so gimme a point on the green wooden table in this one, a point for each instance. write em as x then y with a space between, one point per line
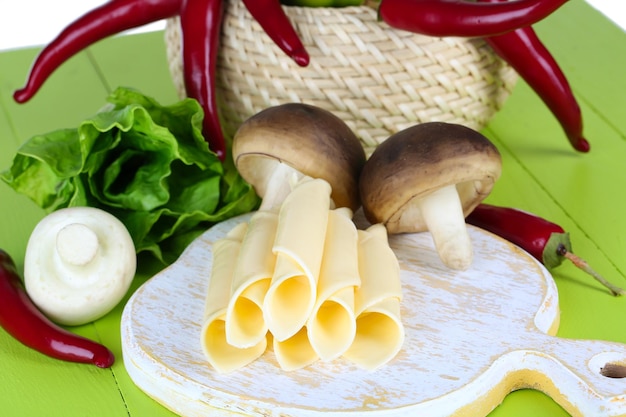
585 193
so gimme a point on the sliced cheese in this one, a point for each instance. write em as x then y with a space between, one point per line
332 325
225 252
295 352
379 330
332 329
305 282
299 247
379 335
245 322
221 355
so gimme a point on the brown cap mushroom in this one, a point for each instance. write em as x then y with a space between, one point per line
282 144
429 177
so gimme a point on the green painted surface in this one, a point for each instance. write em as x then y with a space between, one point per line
582 192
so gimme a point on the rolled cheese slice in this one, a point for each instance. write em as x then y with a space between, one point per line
299 247
295 352
332 325
221 355
379 330
245 322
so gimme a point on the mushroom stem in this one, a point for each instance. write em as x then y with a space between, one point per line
77 244
278 186
443 214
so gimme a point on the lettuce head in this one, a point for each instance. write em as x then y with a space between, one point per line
143 162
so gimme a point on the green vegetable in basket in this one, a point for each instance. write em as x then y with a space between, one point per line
323 3
145 163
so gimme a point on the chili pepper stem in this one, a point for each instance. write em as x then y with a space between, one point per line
583 265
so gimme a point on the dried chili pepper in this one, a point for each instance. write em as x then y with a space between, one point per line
462 17
201 22
108 19
21 319
525 52
276 24
546 241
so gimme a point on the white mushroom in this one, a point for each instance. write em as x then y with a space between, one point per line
79 264
429 177
280 145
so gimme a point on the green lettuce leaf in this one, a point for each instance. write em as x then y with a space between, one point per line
146 163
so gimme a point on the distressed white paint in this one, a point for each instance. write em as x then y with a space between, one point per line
471 338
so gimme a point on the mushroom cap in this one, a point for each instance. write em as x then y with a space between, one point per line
311 140
416 161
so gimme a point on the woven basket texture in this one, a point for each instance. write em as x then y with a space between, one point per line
377 79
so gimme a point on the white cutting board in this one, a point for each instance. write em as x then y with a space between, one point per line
471 338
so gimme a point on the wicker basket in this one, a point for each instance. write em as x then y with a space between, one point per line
377 79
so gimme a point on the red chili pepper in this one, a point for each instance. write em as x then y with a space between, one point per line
201 23
22 319
106 20
523 50
547 242
274 21
462 17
